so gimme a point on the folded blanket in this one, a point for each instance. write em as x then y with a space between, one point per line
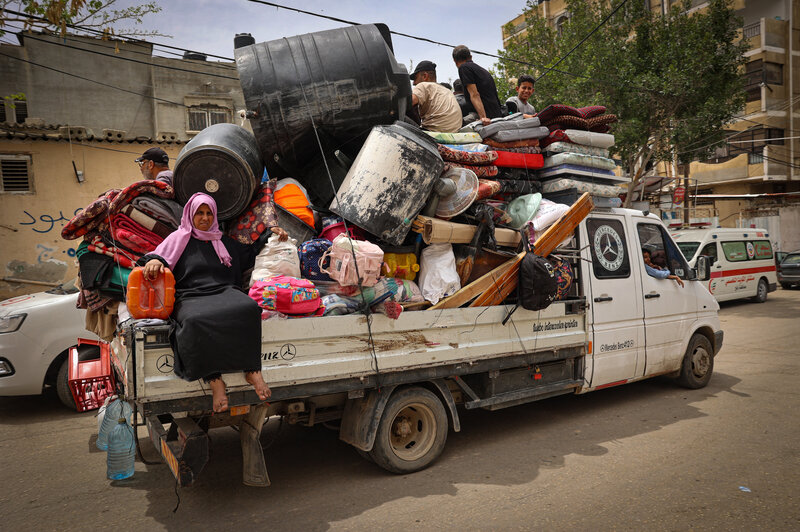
466 157
579 159
487 188
148 222
547 114
166 211
475 146
506 125
557 185
569 147
93 218
591 110
132 235
601 120
568 122
454 138
480 171
120 256
521 134
147 186
526 143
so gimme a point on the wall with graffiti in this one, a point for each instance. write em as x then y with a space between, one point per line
33 256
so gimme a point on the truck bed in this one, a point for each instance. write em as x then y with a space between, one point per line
334 353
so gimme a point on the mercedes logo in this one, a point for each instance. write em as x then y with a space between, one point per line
165 363
608 248
288 351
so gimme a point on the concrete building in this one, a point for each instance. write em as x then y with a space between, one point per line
90 108
755 179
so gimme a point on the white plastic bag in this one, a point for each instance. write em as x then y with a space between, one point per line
276 258
438 277
547 213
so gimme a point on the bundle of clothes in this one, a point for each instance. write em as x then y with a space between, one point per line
116 230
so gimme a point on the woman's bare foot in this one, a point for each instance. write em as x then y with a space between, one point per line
220 398
261 388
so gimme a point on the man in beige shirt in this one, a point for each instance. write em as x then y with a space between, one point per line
438 107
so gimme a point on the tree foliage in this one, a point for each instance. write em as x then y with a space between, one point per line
58 15
673 80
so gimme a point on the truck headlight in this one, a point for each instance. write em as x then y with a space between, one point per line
9 324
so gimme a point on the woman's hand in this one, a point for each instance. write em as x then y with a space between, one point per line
153 269
283 236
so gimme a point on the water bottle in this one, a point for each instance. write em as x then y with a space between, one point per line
114 409
121 450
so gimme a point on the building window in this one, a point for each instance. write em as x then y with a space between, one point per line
200 117
15 171
758 73
20 111
755 158
753 142
13 109
3 112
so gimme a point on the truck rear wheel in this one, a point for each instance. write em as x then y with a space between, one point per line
698 363
412 431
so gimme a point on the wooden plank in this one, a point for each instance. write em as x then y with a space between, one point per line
544 245
477 286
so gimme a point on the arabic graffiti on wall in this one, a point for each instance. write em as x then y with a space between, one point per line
46 222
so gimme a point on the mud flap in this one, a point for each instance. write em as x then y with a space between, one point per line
184 446
254 467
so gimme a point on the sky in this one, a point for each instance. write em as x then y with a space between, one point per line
210 25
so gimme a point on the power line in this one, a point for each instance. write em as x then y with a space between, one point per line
103 33
131 59
611 14
92 80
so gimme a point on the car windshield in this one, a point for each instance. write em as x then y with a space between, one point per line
688 249
67 287
793 258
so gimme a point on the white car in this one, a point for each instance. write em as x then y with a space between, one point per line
36 332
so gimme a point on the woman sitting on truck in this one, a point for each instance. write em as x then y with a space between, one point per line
217 326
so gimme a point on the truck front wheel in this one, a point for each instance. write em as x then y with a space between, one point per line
698 363
412 431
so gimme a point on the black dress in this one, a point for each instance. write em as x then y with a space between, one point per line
217 327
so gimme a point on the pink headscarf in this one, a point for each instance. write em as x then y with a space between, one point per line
173 246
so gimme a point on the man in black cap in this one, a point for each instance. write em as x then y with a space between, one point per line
480 86
438 108
154 164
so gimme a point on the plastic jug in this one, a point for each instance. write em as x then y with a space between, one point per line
150 299
121 451
402 265
114 409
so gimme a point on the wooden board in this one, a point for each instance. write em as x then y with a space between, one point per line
477 286
544 245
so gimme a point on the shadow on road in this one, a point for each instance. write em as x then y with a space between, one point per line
780 305
319 480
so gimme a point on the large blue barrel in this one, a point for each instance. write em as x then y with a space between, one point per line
222 161
343 81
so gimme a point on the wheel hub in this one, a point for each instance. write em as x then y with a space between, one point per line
402 427
701 361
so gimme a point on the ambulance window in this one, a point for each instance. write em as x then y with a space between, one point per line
710 250
609 248
734 251
663 251
763 249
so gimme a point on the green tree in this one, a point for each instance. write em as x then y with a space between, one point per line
673 80
58 15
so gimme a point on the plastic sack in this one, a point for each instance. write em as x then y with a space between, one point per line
524 208
547 214
277 258
438 277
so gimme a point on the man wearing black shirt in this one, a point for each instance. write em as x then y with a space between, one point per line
479 85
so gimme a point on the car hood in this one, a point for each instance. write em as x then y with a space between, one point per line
19 304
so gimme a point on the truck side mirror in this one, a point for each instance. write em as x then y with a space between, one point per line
703 268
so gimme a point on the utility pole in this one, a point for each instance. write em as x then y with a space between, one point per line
686 195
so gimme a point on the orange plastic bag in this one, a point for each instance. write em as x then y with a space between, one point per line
150 299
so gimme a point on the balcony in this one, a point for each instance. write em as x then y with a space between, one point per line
765 32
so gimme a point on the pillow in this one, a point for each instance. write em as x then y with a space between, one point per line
557 109
591 110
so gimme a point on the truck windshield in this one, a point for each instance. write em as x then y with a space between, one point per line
688 249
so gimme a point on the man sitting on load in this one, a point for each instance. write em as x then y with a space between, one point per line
438 107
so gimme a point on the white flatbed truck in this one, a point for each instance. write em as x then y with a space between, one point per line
394 386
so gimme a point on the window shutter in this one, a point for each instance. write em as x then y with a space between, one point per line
15 172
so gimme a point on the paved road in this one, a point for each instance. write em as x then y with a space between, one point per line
644 456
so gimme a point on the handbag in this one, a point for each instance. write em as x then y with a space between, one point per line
342 267
310 253
289 295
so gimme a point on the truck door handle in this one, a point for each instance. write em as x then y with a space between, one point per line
604 298
651 296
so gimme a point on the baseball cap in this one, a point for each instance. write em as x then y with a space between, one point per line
423 66
157 155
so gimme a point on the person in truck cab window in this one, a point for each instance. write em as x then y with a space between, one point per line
217 327
657 272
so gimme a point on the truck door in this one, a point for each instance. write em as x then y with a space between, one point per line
615 300
669 310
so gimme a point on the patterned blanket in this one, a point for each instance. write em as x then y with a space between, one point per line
480 171
466 157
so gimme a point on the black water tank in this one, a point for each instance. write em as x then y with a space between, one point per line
243 39
347 80
197 56
223 162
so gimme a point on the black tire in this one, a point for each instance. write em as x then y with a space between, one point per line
698 363
761 291
786 286
87 352
364 454
412 431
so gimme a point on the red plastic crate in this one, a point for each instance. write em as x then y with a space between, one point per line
90 381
